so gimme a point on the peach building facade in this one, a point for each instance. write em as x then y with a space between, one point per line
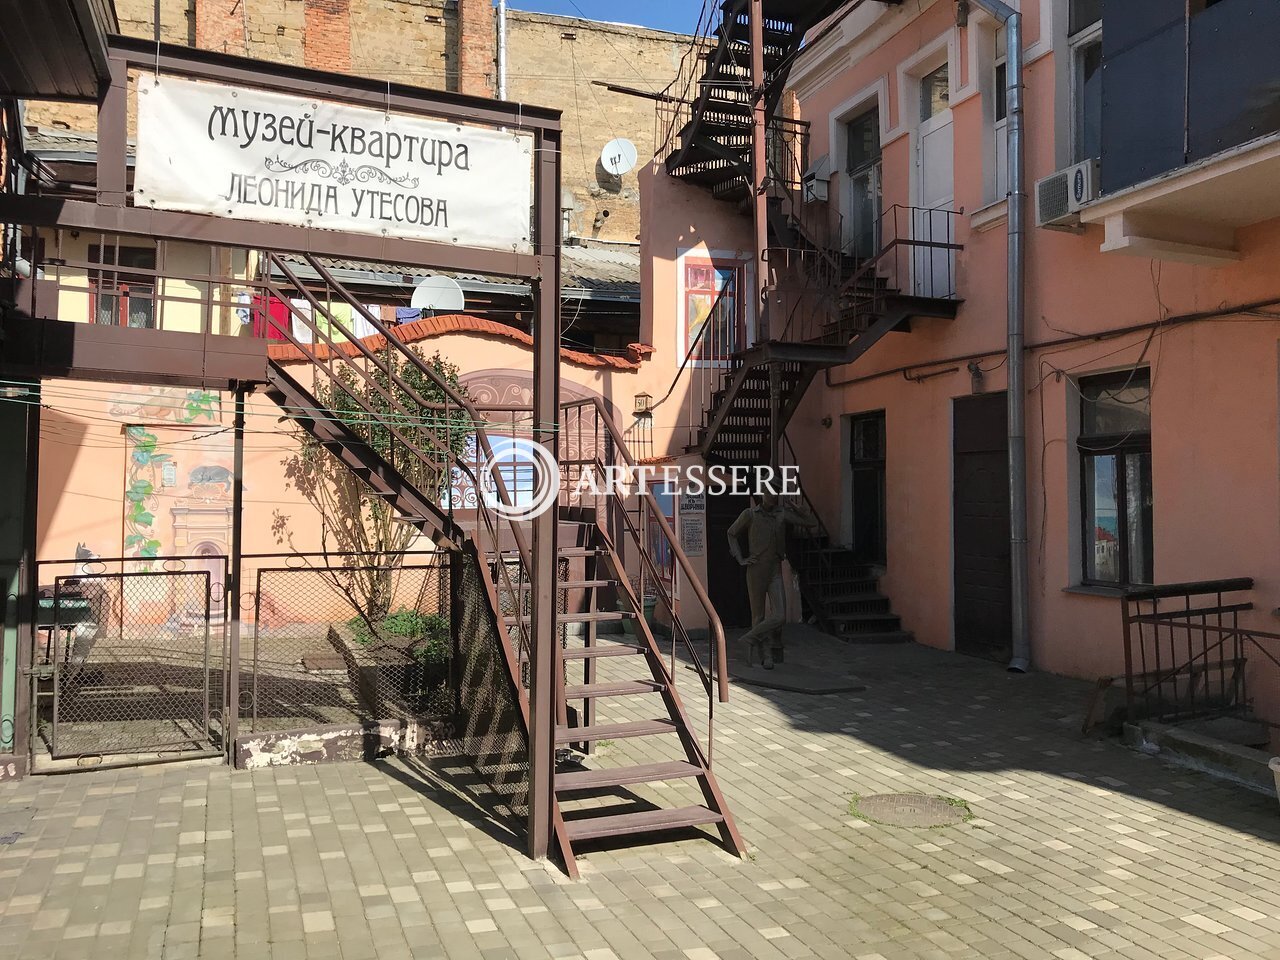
1152 333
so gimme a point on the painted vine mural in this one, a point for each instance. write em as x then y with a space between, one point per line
143 477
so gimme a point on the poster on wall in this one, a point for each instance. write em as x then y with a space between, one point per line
693 534
693 502
250 154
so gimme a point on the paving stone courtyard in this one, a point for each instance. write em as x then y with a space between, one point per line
1076 848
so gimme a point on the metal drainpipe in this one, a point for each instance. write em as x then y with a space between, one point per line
502 49
1021 660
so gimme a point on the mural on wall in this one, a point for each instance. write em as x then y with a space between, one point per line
145 405
151 465
142 480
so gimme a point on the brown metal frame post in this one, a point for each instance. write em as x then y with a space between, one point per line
759 168
231 714
28 587
112 172
546 417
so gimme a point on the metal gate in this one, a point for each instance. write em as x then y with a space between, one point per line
129 664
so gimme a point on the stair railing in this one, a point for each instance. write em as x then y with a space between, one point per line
634 532
811 596
456 413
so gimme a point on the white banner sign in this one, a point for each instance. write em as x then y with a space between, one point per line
269 157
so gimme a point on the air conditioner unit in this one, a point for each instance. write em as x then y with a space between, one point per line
1061 197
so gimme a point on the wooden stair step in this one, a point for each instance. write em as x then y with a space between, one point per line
579 552
570 585
619 776
647 821
603 650
620 688
591 616
615 731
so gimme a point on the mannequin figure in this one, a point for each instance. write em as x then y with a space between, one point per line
765 528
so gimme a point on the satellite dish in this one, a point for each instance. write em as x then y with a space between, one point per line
619 156
439 294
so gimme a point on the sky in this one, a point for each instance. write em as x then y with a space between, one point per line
680 16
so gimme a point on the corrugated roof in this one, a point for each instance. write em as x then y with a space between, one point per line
39 139
597 270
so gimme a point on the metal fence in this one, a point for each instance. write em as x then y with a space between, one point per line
128 658
1188 657
343 639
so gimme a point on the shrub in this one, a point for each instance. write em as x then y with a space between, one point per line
427 633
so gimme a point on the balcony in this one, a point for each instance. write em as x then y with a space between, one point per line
1190 129
1192 213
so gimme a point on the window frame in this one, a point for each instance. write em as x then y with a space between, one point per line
922 84
109 279
1077 43
739 336
1090 447
999 122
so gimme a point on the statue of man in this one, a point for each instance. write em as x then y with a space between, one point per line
765 528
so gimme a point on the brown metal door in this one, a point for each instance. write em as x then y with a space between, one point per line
983 612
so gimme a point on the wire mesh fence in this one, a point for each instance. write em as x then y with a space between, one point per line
491 728
132 657
128 658
344 639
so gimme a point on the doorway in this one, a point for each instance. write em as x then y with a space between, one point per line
726 580
980 526
212 558
933 269
867 476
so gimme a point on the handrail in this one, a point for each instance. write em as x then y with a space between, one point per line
441 384
682 560
1192 588
476 422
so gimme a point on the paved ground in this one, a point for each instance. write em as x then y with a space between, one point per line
1077 848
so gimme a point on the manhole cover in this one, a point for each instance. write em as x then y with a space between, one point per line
910 810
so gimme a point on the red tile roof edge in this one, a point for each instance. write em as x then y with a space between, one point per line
424 329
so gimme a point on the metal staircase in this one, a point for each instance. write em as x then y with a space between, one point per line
822 304
714 142
414 452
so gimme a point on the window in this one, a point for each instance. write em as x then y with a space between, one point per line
935 93
1084 14
1086 79
1000 117
1115 461
711 295
122 293
864 141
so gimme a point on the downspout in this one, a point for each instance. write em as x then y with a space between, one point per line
1018 560
502 49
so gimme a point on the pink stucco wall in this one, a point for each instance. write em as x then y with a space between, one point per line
1214 395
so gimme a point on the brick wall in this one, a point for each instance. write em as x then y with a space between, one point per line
402 40
544 66
476 48
220 25
326 37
